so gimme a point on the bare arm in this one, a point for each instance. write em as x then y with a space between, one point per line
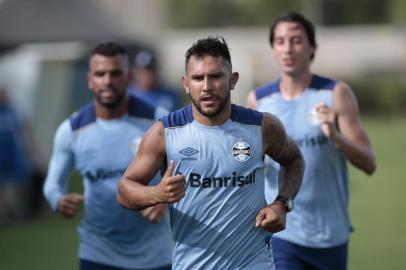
133 189
280 147
283 150
251 100
342 125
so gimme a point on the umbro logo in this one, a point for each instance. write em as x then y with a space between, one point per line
188 152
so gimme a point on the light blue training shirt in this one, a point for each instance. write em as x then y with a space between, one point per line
101 150
214 224
320 217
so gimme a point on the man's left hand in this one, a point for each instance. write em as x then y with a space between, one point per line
154 213
272 218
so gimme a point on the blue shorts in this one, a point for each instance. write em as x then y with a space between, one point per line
89 265
289 256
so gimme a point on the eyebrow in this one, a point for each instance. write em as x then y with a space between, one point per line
218 73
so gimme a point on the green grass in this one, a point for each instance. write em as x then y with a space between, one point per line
377 202
376 207
48 242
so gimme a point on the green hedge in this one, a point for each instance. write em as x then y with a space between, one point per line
380 94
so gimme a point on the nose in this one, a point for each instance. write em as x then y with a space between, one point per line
107 78
287 47
207 84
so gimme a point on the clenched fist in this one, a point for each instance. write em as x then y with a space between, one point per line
69 204
172 187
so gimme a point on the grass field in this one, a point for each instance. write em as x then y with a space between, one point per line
376 207
377 202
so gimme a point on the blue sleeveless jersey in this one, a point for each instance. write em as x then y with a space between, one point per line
101 150
320 218
214 224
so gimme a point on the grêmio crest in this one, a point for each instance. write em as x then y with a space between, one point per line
241 151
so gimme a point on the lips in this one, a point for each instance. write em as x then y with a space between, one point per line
208 100
288 61
108 92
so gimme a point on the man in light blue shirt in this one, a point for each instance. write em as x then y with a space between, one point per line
99 141
321 115
214 153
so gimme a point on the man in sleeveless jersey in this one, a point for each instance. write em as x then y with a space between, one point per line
100 141
214 151
321 115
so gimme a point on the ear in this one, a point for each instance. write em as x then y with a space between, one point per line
89 81
185 83
312 52
234 79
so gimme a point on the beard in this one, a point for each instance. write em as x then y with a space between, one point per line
112 103
211 113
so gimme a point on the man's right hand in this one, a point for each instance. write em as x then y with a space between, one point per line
172 187
69 204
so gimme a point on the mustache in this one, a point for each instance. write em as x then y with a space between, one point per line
111 88
207 96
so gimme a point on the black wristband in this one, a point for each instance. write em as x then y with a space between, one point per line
287 202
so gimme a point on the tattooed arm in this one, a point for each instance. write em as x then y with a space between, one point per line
133 189
283 150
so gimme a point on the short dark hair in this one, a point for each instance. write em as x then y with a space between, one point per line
109 48
213 46
299 19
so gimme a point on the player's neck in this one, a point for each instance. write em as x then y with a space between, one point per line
218 120
112 113
293 86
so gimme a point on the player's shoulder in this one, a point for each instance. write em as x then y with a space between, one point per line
83 117
344 96
322 83
267 89
64 132
342 87
178 118
245 116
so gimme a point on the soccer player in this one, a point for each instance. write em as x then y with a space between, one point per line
100 140
321 115
214 180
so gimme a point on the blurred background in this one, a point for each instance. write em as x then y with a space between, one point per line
44 47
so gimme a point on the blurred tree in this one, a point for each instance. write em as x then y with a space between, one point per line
263 12
214 13
355 12
227 13
398 11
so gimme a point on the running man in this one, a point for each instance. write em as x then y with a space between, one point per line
100 140
214 151
321 115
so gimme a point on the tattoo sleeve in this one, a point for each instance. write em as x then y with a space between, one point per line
281 148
